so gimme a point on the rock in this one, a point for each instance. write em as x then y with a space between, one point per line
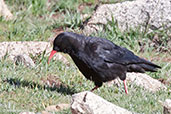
4 11
57 107
89 103
167 106
116 82
24 59
140 79
27 47
145 81
26 113
168 81
146 14
13 49
45 112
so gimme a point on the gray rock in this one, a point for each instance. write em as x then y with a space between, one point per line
24 59
4 11
167 106
13 49
132 14
141 79
145 81
26 113
89 103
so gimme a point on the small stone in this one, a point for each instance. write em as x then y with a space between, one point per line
57 107
4 11
45 112
26 113
116 82
167 106
24 59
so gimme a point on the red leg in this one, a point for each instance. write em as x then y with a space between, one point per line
94 88
84 99
126 90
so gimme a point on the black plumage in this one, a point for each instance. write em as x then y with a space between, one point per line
99 59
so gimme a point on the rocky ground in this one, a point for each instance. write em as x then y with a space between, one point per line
29 58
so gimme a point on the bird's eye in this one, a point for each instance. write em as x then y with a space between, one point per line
56 48
65 50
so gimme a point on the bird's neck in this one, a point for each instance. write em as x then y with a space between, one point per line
78 45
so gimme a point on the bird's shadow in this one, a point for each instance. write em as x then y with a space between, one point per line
66 90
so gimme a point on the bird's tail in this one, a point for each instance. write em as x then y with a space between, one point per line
143 67
150 67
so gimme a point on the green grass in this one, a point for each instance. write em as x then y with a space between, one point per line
23 89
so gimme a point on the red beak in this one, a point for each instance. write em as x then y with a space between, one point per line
51 55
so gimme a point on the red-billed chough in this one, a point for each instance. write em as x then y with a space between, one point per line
99 59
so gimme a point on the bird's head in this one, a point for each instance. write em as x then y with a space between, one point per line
65 42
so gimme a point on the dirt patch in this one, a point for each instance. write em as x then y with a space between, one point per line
55 108
58 30
81 7
53 81
57 15
164 81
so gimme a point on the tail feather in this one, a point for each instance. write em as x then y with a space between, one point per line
150 63
151 68
143 67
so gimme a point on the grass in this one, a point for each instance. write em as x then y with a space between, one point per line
23 89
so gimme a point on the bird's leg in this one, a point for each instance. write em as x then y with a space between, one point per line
94 88
126 90
84 99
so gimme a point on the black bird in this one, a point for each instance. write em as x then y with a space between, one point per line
99 59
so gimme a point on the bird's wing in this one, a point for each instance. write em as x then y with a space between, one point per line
110 60
104 58
109 52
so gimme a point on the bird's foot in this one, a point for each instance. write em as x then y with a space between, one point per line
94 88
